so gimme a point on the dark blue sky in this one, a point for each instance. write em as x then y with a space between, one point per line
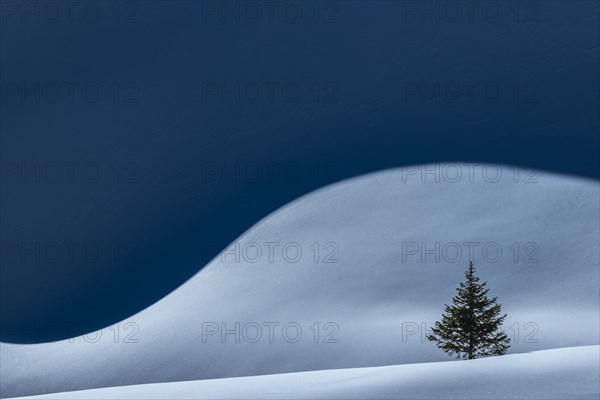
139 139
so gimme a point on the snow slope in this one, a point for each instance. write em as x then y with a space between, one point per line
363 303
566 373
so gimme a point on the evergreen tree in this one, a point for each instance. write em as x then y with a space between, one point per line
470 327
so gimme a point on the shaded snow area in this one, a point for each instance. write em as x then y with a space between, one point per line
330 297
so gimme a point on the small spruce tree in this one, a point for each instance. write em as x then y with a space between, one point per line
471 326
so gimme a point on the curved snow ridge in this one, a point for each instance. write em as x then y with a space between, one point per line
566 373
372 304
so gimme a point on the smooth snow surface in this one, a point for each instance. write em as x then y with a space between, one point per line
568 373
361 303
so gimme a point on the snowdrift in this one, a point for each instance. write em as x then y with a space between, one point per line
350 276
568 373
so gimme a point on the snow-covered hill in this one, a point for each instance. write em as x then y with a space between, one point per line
567 373
348 277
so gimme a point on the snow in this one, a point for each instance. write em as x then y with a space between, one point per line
363 302
567 373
